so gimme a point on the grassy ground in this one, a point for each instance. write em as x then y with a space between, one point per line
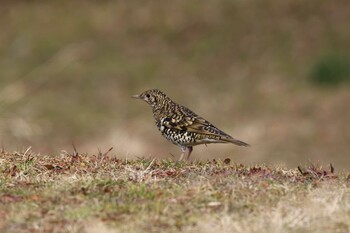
245 66
101 193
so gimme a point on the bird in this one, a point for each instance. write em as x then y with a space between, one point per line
182 126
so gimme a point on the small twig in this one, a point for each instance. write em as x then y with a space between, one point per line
300 170
106 153
25 153
27 150
75 154
332 168
150 165
100 156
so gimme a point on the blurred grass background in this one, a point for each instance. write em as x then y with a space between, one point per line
272 73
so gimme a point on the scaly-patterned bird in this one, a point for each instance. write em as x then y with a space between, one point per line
181 126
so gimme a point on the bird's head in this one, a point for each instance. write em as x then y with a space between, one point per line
153 97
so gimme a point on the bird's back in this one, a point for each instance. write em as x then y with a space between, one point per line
182 126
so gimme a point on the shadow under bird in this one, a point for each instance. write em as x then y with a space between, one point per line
182 126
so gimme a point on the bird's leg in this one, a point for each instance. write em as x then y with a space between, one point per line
189 151
186 150
183 150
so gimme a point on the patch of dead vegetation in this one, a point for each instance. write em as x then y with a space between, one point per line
77 192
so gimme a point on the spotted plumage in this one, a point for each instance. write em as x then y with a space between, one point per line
181 126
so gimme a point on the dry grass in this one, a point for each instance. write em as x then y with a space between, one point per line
102 193
67 75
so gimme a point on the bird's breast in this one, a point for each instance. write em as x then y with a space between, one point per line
178 137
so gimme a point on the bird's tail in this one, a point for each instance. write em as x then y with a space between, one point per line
235 141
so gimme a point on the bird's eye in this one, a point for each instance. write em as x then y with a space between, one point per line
148 96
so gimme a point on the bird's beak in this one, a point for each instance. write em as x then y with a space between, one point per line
136 96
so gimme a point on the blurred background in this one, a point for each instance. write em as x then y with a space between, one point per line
275 74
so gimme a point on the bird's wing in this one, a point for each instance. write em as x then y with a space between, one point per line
183 119
186 120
